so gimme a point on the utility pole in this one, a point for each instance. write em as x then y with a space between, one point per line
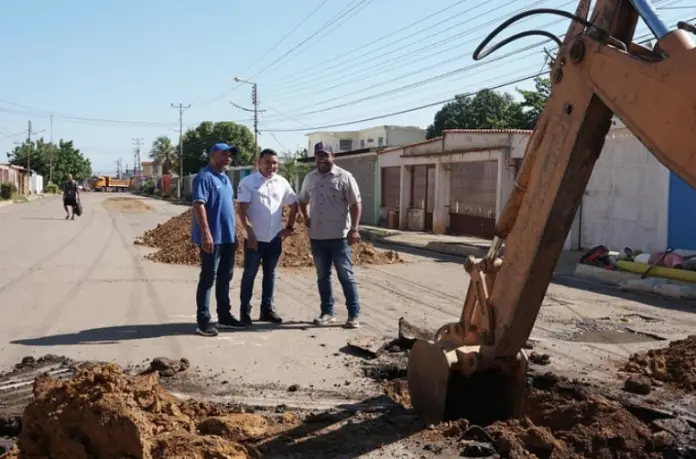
181 107
136 154
50 156
255 111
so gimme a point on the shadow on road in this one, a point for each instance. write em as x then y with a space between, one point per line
348 433
672 304
115 334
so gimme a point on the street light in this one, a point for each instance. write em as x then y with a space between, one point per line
255 101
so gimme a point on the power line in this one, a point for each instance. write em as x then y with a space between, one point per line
467 68
321 29
301 76
424 106
412 109
360 74
220 96
362 47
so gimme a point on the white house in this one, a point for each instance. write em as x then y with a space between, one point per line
378 136
460 182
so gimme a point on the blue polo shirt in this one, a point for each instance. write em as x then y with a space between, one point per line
215 191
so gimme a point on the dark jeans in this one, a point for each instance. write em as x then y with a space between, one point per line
336 252
266 255
216 268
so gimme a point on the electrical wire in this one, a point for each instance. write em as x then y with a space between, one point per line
366 62
372 70
342 13
270 68
417 108
391 34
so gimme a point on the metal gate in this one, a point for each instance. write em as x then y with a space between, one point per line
473 199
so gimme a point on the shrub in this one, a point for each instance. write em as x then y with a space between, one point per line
7 189
51 188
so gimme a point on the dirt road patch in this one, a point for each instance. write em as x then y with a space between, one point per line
173 239
127 205
674 364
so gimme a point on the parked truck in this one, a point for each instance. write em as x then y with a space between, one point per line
106 183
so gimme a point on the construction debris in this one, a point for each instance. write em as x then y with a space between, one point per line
126 204
173 239
103 412
562 419
674 365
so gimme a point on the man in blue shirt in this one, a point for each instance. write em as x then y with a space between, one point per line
214 232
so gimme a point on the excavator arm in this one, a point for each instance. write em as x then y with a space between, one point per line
476 367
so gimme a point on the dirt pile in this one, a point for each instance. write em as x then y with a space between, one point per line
126 204
561 420
103 412
675 364
173 239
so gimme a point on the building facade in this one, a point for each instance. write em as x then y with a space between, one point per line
459 183
375 137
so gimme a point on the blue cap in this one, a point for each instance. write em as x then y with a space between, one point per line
322 147
223 147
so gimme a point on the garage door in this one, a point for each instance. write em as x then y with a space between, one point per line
391 190
473 198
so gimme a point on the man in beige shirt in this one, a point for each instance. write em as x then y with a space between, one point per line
334 212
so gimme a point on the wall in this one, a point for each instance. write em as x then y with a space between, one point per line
404 135
332 138
36 185
363 167
682 217
625 204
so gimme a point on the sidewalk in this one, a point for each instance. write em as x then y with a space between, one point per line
458 246
21 199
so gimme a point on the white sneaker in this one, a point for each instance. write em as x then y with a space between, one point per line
325 319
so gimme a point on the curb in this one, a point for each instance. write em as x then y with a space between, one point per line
443 248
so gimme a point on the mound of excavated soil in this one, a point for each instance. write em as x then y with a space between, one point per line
173 239
675 364
561 420
102 412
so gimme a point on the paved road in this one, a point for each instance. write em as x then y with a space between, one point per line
82 289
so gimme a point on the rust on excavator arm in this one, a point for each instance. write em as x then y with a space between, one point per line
476 367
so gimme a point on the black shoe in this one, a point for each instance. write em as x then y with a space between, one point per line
207 330
231 323
269 315
246 319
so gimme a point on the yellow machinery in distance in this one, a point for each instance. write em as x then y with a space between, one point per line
106 183
476 367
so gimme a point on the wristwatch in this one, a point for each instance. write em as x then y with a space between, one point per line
353 230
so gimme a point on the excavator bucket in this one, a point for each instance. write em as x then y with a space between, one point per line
442 389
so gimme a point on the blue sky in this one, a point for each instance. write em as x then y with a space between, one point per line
109 70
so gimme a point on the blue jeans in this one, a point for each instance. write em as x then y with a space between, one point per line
216 268
266 255
336 252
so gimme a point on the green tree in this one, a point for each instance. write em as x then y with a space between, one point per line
198 140
487 109
66 159
163 152
290 166
533 102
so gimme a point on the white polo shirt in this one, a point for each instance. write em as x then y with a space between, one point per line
266 197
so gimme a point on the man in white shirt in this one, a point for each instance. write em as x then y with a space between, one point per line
260 198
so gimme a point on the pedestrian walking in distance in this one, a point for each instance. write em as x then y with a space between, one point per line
71 195
334 202
260 199
214 232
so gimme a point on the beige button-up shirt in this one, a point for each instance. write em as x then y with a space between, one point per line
329 197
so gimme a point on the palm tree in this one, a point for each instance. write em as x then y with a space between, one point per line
163 152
